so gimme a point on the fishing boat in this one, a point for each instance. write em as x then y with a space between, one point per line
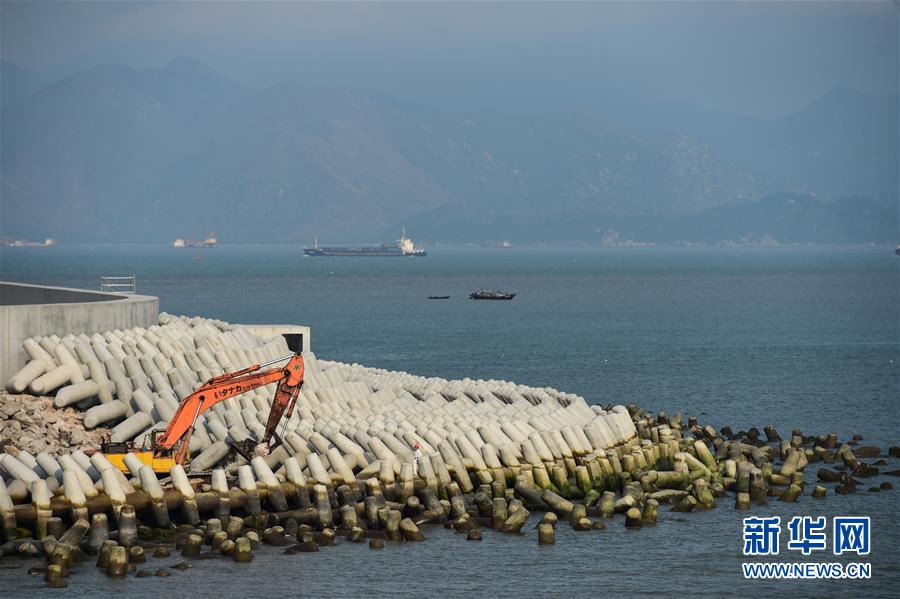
438 297
491 295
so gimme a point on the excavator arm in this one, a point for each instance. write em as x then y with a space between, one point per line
220 388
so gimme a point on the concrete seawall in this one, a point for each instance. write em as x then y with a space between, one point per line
29 310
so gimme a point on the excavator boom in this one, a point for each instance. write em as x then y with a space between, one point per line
220 388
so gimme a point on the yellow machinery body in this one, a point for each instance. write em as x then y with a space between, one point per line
116 452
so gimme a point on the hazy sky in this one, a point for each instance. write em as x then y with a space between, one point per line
761 58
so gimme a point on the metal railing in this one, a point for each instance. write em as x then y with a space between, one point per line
118 284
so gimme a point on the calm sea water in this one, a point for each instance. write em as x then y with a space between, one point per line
797 337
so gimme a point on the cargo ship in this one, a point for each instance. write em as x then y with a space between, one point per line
24 243
402 247
209 242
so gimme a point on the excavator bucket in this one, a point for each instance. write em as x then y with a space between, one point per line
250 448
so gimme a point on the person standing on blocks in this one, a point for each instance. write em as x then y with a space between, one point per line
417 455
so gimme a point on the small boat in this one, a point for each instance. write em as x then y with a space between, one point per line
438 297
491 295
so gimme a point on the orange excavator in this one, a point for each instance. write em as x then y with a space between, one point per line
173 446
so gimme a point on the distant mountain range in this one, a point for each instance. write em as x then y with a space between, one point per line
118 154
17 84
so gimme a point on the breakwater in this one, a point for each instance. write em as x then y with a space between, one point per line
492 453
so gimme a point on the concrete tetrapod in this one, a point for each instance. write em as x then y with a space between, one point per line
370 411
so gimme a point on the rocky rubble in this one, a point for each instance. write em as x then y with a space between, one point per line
34 425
